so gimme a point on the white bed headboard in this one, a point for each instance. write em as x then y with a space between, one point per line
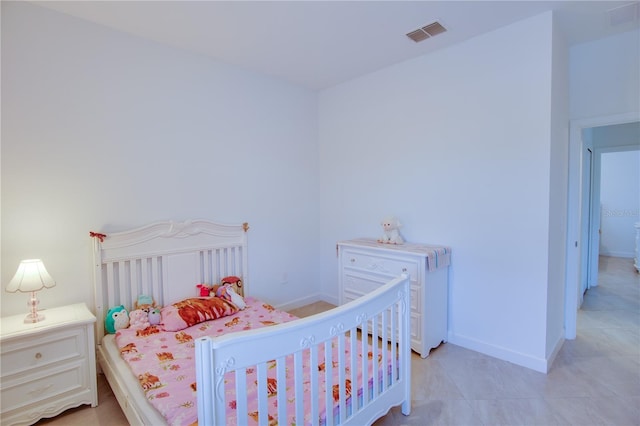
165 260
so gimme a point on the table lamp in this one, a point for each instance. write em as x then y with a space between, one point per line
30 277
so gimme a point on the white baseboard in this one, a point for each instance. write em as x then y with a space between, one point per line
307 300
624 254
538 364
555 351
330 299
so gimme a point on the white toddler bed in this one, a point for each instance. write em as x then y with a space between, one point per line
296 367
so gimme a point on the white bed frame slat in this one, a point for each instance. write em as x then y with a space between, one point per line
364 364
110 291
125 284
374 350
315 384
241 391
281 376
342 377
299 385
328 377
167 259
394 332
385 353
156 281
263 410
353 359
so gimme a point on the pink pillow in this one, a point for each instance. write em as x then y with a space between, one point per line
193 311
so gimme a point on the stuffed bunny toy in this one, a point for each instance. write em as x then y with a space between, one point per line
391 227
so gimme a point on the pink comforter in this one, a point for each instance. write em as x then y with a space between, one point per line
164 363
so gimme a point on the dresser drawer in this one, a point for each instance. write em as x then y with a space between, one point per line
380 264
23 355
34 389
358 284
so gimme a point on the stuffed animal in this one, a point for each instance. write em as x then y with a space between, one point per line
154 316
234 282
144 301
139 319
391 227
227 292
117 318
203 290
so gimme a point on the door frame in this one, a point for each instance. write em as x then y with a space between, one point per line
586 209
575 267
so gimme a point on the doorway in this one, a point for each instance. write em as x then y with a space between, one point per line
580 218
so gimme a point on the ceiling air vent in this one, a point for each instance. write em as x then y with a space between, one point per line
427 31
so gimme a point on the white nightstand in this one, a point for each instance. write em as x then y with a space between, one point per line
47 367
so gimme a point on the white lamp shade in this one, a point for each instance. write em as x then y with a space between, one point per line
31 276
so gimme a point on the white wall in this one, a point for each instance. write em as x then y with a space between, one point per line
620 201
558 185
457 145
102 131
605 76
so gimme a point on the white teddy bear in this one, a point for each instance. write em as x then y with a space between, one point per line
391 226
139 319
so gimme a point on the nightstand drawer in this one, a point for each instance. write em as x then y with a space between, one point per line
25 391
387 266
23 355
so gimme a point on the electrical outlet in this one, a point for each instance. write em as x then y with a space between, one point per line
285 279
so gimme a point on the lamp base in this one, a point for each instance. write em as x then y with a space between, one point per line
33 315
30 318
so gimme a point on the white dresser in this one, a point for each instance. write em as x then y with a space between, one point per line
364 265
47 367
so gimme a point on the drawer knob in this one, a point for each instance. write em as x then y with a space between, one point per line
404 269
353 260
38 355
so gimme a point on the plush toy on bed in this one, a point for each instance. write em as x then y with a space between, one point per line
144 302
391 227
230 289
139 319
146 313
234 282
203 290
117 318
228 293
154 316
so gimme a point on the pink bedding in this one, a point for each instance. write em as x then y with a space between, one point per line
164 363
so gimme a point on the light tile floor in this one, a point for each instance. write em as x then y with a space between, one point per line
595 379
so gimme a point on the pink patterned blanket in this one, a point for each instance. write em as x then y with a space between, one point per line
164 363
